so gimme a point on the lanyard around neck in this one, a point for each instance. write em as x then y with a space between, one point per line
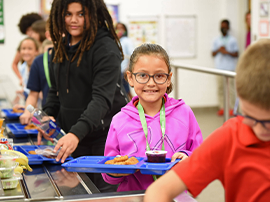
144 124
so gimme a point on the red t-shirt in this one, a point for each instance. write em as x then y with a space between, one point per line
236 157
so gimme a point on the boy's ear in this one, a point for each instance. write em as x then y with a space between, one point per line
169 79
130 79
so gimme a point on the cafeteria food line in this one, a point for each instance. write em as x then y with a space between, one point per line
49 181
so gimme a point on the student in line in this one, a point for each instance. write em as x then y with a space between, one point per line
39 78
237 153
28 50
85 78
152 120
25 28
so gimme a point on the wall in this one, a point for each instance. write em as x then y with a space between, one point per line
13 10
197 89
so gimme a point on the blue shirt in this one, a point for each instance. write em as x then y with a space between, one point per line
225 62
128 48
24 71
37 80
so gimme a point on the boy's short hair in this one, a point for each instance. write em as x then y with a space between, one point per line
40 27
226 21
253 74
27 20
45 43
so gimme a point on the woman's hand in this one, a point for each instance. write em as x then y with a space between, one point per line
68 144
179 155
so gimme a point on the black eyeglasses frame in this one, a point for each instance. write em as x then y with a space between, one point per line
153 76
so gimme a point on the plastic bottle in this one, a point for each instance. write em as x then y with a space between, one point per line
43 121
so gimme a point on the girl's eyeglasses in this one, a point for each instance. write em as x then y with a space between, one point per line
248 120
159 78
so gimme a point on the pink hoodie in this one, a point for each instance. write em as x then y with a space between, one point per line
126 137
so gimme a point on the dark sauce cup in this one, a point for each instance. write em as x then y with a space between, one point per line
156 156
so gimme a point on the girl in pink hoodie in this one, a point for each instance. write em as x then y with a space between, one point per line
152 120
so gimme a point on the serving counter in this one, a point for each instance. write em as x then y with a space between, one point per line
51 182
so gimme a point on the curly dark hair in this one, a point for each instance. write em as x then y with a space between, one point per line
27 20
98 17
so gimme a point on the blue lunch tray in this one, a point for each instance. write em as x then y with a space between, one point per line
35 159
96 164
11 115
18 130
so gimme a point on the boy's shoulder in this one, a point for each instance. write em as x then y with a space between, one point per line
234 130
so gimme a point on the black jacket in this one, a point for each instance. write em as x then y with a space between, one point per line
88 95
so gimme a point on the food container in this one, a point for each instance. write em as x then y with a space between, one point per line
7 165
12 182
156 156
47 152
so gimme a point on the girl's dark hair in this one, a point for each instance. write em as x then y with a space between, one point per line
125 27
150 49
27 20
40 27
98 17
29 38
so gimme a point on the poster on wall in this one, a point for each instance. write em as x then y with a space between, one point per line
2 28
180 36
45 8
264 9
113 10
143 30
264 28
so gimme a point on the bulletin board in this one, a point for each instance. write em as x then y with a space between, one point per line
2 28
45 8
143 29
114 12
180 36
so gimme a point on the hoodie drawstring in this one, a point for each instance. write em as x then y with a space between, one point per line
67 73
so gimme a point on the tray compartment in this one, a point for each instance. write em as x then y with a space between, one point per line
11 115
157 168
18 130
95 164
35 159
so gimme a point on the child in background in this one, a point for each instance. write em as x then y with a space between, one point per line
127 46
39 29
85 79
25 27
237 153
174 127
38 82
28 50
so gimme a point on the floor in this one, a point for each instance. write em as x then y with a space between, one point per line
208 122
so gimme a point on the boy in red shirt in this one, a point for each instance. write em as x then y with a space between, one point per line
238 153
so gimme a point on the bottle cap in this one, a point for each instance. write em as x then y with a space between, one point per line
30 108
